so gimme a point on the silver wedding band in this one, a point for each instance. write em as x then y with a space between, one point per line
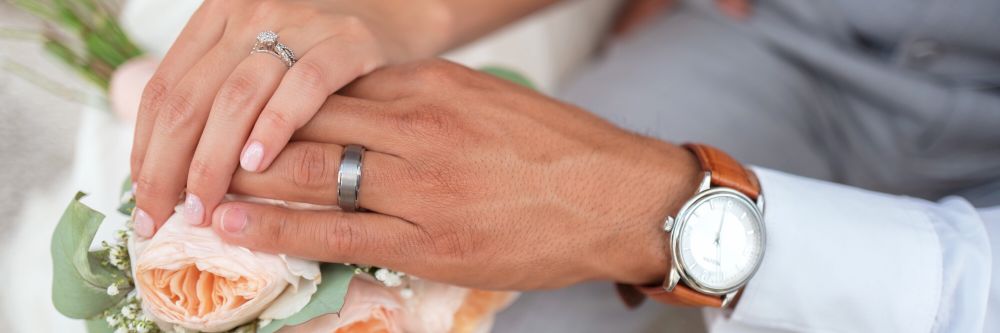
349 178
267 42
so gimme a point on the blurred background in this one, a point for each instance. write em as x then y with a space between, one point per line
58 135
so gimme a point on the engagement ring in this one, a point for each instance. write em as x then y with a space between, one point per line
267 42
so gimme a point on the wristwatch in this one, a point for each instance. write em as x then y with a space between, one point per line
716 239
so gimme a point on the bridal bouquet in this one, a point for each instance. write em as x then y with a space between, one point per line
186 279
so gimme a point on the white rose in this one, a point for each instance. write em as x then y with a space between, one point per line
188 276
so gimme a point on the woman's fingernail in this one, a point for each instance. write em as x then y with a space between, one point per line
194 211
143 224
251 157
234 220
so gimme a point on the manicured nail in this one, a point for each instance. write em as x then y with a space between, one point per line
234 220
251 157
143 224
194 211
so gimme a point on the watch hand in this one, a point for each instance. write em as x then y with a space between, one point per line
722 221
718 237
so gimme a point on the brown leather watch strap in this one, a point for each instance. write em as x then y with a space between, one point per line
725 170
681 295
633 296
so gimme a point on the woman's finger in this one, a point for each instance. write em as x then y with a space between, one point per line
234 111
202 31
307 172
346 120
328 236
179 124
321 71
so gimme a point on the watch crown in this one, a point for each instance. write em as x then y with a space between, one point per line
668 224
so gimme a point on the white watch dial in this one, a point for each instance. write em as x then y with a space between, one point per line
721 241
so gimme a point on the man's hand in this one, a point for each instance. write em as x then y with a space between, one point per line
470 180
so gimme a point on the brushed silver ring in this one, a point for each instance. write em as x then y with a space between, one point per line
349 178
267 42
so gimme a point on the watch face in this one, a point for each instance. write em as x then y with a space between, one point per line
720 241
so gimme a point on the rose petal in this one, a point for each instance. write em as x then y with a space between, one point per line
369 307
190 277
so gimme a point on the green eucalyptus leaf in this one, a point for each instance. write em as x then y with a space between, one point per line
128 206
98 325
79 279
509 75
329 298
248 328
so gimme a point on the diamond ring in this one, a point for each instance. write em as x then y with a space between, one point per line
267 42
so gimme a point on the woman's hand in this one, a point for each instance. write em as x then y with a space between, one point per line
211 105
470 180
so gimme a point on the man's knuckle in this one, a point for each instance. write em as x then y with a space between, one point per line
311 166
425 121
274 228
342 239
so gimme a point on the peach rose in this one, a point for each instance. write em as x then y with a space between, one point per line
434 307
188 276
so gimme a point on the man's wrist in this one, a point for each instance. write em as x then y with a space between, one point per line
672 179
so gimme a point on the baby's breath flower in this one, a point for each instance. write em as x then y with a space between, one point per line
118 252
113 290
406 293
127 196
388 277
112 320
129 311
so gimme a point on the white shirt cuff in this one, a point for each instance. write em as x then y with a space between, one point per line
842 259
